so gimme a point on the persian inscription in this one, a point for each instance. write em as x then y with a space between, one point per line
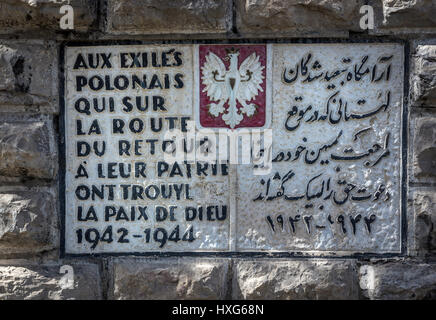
336 153
146 168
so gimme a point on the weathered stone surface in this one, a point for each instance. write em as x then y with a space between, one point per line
46 282
424 149
297 17
424 205
28 75
42 15
268 204
28 222
398 280
168 17
26 150
297 279
169 278
423 80
405 16
189 230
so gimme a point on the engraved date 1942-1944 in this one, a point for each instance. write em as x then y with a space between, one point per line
121 235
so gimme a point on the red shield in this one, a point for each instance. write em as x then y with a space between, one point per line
237 79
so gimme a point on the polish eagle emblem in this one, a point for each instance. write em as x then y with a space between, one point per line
232 85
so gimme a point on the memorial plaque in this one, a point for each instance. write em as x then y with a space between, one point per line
121 195
147 169
336 157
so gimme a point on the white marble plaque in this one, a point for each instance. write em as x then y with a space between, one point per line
335 183
329 183
123 196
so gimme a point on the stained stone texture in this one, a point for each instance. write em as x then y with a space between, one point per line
28 222
169 278
312 18
424 150
424 205
204 236
43 15
403 16
423 80
405 280
267 204
45 282
28 76
297 279
26 150
168 17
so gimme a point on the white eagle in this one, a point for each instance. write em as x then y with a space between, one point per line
232 85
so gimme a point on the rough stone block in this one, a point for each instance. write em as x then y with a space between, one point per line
168 17
424 205
298 18
405 280
423 80
26 150
28 75
28 222
169 278
424 150
46 282
296 279
44 15
403 16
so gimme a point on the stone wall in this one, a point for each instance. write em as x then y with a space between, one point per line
30 40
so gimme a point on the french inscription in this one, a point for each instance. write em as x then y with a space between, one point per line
121 194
